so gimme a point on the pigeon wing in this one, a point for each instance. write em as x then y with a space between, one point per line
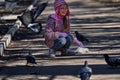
112 59
31 59
83 38
26 18
39 9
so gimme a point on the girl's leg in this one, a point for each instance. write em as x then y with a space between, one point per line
63 43
69 40
60 42
64 50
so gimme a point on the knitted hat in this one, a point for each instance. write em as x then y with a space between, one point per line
58 3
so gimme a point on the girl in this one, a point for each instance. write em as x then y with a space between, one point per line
57 30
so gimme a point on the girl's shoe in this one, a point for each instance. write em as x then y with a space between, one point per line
51 53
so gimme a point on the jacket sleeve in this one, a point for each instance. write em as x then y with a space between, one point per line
79 43
50 32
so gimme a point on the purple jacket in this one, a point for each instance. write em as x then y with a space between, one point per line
53 27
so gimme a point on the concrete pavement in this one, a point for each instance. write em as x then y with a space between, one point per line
98 22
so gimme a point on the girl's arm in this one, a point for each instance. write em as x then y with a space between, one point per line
50 28
79 43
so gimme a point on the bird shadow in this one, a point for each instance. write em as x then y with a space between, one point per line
55 70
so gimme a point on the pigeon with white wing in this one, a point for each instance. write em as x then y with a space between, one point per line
29 16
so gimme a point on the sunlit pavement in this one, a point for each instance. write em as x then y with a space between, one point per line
96 21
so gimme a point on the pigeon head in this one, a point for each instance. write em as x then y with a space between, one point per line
106 55
85 63
29 53
76 32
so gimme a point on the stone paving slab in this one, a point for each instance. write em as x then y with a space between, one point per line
98 22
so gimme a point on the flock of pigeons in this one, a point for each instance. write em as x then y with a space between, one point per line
85 71
28 20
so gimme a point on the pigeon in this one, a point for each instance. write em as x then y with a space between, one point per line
29 16
85 72
30 59
111 61
28 22
80 37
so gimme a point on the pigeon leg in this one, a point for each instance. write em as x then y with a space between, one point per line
27 64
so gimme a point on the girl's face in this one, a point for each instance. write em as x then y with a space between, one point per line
63 9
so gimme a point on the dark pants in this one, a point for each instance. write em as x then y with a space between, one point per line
62 43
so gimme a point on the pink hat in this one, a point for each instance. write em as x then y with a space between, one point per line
58 3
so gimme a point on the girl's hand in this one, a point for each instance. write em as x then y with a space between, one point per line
79 43
62 34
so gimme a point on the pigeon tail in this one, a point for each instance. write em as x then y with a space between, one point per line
39 9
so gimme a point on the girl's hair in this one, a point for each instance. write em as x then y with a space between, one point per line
65 22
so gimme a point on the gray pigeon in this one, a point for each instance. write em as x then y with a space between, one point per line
29 16
112 61
30 59
85 72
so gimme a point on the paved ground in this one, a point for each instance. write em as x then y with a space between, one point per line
5 25
98 22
